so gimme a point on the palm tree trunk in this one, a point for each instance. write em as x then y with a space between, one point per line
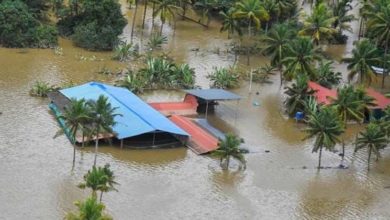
280 66
227 162
184 11
96 145
161 28
153 15
319 159
74 145
384 61
143 20
266 27
249 36
134 18
82 144
369 157
101 196
360 28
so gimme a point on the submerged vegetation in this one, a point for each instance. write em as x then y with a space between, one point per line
98 179
159 73
230 148
41 89
224 78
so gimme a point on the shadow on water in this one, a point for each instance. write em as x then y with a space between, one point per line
143 157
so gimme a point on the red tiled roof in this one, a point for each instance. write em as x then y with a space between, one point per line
381 101
322 94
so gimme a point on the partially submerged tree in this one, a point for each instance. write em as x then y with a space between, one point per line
230 148
374 139
325 126
99 179
90 209
297 94
364 56
77 117
103 115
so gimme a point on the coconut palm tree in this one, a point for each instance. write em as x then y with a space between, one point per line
103 115
110 184
253 13
205 7
284 8
364 56
276 42
349 106
229 148
77 116
96 179
270 7
166 9
300 58
374 138
326 127
379 27
319 24
91 209
297 94
340 12
326 76
229 23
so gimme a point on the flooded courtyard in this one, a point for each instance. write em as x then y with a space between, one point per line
281 180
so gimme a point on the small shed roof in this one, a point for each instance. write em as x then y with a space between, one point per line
213 94
136 117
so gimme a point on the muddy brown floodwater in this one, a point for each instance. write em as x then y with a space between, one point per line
37 182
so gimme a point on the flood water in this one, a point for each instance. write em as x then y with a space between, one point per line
37 181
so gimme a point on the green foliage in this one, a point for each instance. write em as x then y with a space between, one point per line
364 56
326 76
19 27
90 209
185 76
41 89
99 179
159 73
230 23
156 41
230 148
298 93
94 24
300 58
252 12
103 115
349 104
277 41
319 24
326 127
374 138
77 117
224 78
134 82
124 51
262 74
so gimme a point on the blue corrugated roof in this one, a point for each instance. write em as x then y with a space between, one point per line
136 116
213 94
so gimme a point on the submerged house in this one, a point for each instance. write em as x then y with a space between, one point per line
137 125
324 96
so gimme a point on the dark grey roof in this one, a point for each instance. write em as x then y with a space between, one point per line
213 94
